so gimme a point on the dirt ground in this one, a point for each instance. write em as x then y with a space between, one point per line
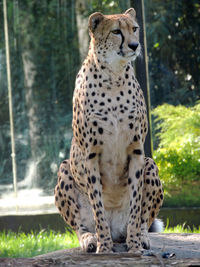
166 250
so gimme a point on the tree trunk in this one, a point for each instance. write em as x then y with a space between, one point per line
32 110
82 26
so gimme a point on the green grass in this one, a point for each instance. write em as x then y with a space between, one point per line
17 245
181 229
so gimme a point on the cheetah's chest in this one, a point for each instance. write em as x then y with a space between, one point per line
113 163
117 137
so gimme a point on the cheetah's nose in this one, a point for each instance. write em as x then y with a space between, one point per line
133 46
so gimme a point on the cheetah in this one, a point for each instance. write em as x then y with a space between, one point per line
108 191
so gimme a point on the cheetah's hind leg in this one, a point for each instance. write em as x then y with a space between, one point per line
151 201
66 200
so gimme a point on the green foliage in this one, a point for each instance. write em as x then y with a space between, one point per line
178 125
182 195
181 229
104 6
16 245
173 50
178 152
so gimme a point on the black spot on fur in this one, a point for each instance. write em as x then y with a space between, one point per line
93 178
137 174
62 185
137 151
129 180
92 155
100 130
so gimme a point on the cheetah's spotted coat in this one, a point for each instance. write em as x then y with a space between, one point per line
108 191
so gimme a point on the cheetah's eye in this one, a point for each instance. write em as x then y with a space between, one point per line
135 29
117 31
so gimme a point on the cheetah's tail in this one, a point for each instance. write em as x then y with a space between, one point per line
157 226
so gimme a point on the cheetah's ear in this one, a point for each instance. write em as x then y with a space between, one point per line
94 20
131 12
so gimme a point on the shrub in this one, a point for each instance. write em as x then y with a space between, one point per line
178 152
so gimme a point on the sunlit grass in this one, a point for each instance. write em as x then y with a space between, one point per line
16 245
29 245
181 229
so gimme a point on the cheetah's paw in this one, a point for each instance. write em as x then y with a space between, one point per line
88 242
135 252
104 247
145 241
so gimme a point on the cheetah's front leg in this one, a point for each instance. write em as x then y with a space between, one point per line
104 240
135 182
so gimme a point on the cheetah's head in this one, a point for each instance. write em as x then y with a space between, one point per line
115 37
